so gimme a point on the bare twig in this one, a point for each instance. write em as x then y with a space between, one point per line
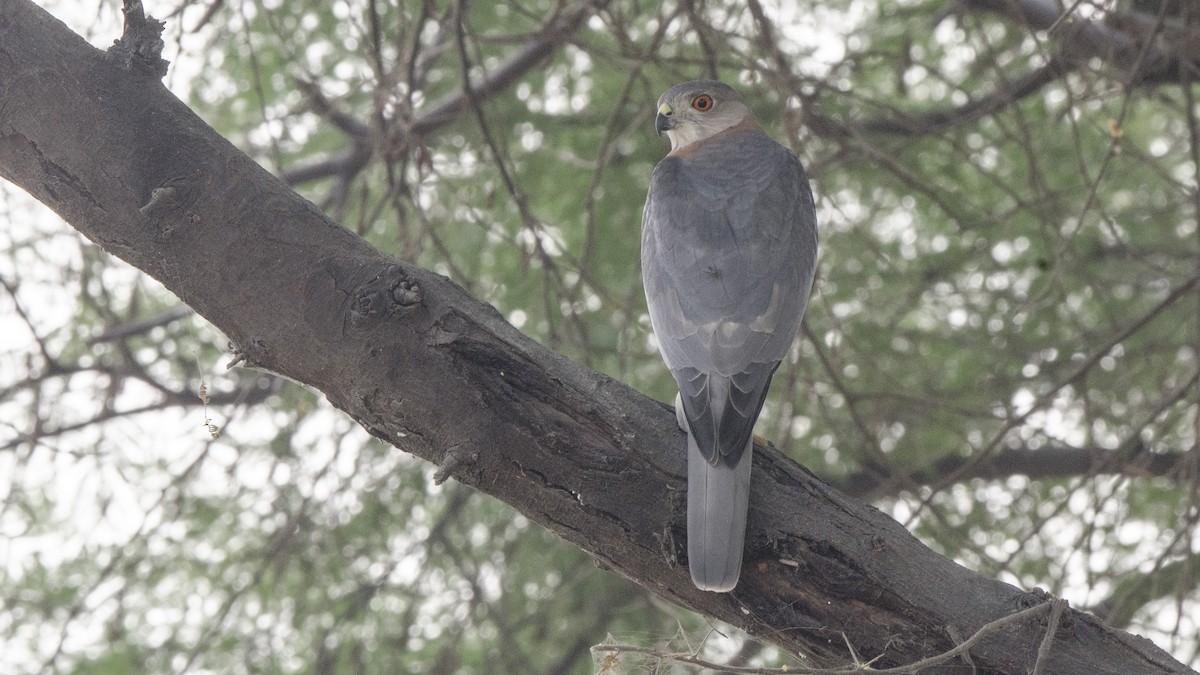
447 109
141 326
936 121
961 649
1057 607
1051 462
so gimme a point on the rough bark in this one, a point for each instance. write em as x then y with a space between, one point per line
425 367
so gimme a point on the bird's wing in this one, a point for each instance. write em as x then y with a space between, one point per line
728 254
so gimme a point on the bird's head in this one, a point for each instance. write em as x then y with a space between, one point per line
696 110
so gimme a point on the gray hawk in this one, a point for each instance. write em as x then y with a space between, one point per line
729 245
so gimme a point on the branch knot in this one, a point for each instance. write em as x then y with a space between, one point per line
140 45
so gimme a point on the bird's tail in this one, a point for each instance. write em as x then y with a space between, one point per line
718 497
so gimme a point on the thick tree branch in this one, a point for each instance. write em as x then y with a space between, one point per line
425 367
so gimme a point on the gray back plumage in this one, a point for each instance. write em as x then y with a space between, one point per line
729 245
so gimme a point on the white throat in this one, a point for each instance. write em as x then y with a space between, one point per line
685 135
694 131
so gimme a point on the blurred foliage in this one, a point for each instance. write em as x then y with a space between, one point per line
1021 281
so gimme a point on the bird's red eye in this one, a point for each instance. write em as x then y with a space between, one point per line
703 103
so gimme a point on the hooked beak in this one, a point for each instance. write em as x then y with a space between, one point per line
664 121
